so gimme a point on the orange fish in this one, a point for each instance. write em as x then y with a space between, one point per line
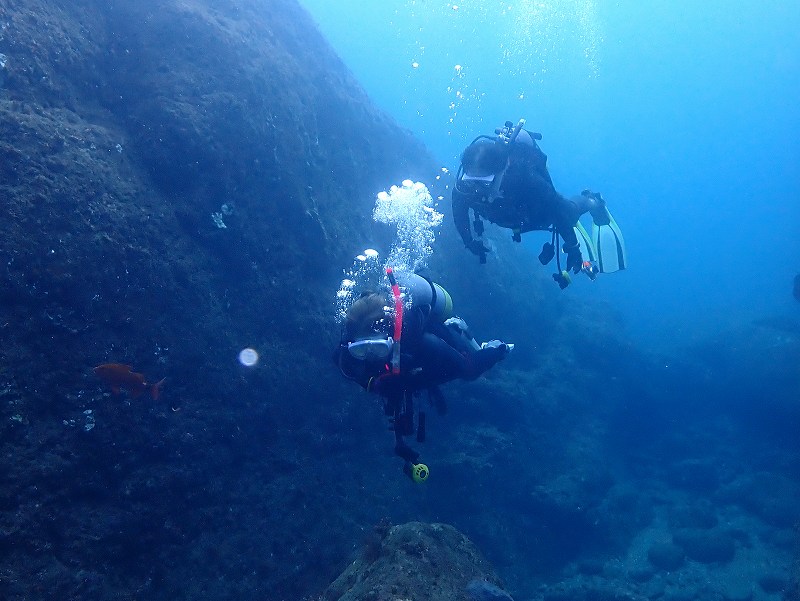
119 376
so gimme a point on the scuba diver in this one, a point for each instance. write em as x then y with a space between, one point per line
504 179
397 344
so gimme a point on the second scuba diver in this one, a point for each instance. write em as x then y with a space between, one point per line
504 179
399 342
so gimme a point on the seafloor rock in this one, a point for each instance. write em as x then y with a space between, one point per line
698 515
773 583
770 496
666 556
414 561
695 476
706 546
794 585
585 591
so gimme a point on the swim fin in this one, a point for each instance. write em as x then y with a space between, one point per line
608 241
585 242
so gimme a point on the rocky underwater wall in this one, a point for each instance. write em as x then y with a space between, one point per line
179 180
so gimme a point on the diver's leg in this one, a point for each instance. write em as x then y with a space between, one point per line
455 332
441 363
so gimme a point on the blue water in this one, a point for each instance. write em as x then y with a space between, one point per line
683 114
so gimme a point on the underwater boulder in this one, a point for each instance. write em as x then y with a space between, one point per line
666 556
769 496
418 561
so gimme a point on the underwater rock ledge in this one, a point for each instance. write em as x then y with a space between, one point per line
414 561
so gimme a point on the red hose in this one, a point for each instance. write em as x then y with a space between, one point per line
398 319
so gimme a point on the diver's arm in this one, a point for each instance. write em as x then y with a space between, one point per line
461 216
567 214
567 233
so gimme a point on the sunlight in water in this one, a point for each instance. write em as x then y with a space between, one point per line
491 45
542 29
527 30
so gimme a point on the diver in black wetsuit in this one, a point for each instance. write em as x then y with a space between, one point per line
398 345
504 179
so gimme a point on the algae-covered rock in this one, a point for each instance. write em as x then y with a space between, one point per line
415 561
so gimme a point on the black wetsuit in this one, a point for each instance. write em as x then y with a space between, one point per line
426 361
428 357
527 201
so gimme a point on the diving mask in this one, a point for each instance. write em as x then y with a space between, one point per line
371 348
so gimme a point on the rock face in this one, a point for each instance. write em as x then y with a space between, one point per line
126 127
130 132
417 561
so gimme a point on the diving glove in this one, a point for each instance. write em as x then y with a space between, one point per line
506 347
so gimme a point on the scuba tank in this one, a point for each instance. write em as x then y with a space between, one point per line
421 291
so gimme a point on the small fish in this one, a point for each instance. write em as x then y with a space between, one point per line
119 376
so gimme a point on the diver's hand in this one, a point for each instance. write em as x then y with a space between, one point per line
596 196
504 348
574 258
476 247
